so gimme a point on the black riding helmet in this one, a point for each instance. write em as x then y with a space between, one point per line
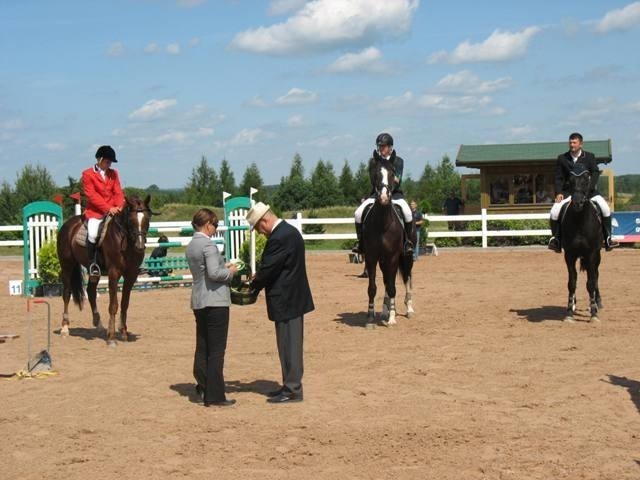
384 139
105 151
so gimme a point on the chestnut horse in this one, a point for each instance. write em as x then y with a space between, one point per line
383 240
122 251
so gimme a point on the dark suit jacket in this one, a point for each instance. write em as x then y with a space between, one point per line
564 167
283 275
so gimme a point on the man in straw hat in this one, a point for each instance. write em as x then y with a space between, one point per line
283 275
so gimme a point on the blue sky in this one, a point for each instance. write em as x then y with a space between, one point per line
167 81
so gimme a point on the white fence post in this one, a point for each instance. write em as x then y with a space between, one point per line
484 227
299 222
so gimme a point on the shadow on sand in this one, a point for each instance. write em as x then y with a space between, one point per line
262 387
632 386
546 313
96 334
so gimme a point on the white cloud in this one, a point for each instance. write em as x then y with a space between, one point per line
295 121
190 3
173 49
467 82
115 49
367 60
194 42
459 104
54 147
248 136
282 7
297 96
635 107
520 131
497 111
322 25
152 48
153 109
256 101
500 46
620 19
327 141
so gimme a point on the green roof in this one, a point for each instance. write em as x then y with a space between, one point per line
481 155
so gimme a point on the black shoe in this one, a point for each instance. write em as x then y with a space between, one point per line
363 275
408 248
356 249
275 393
285 398
222 403
554 244
200 393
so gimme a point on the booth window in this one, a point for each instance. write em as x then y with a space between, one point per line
499 190
544 189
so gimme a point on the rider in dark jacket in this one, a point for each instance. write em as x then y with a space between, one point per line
385 152
570 161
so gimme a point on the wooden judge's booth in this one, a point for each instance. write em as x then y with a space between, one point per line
520 177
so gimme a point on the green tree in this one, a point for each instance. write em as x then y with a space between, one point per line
362 182
227 179
325 191
9 209
293 191
252 178
203 187
347 185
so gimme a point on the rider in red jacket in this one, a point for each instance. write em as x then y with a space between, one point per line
104 196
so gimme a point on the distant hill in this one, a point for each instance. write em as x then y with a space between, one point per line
627 183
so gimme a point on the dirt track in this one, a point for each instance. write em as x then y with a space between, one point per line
484 381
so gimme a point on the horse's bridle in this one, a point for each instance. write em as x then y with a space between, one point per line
134 233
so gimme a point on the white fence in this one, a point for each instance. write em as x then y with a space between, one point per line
484 218
299 222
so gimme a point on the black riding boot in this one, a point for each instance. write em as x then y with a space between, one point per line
609 243
410 238
358 246
94 268
554 241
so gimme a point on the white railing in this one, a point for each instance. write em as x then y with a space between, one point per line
484 218
299 223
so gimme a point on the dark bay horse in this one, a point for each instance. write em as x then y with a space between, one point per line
122 250
582 239
383 240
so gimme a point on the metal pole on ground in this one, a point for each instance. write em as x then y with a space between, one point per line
252 235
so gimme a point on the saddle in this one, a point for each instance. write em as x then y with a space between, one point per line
396 209
81 235
595 206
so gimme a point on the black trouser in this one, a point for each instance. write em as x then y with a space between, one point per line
289 335
212 326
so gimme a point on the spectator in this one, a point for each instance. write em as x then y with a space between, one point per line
419 220
452 206
160 252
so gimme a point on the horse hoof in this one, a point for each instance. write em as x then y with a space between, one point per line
392 321
370 326
594 319
600 306
64 331
410 313
569 319
111 343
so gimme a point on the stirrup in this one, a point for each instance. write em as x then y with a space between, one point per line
610 244
356 249
408 248
554 244
94 271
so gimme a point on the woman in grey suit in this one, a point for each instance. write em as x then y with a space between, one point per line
210 299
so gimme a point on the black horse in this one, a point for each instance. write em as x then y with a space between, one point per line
123 251
383 240
582 239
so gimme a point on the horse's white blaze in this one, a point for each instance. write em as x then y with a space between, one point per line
140 217
384 195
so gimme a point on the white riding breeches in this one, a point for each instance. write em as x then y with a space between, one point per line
602 203
406 211
93 224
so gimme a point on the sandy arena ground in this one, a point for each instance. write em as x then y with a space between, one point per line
484 382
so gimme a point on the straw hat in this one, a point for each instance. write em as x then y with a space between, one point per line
256 213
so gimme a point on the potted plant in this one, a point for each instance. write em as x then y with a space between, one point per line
49 270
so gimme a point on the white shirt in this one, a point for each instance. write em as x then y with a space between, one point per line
575 159
102 172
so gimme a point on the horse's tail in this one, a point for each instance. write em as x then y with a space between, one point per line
583 264
77 286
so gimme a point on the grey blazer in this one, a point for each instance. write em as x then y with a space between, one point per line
210 277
